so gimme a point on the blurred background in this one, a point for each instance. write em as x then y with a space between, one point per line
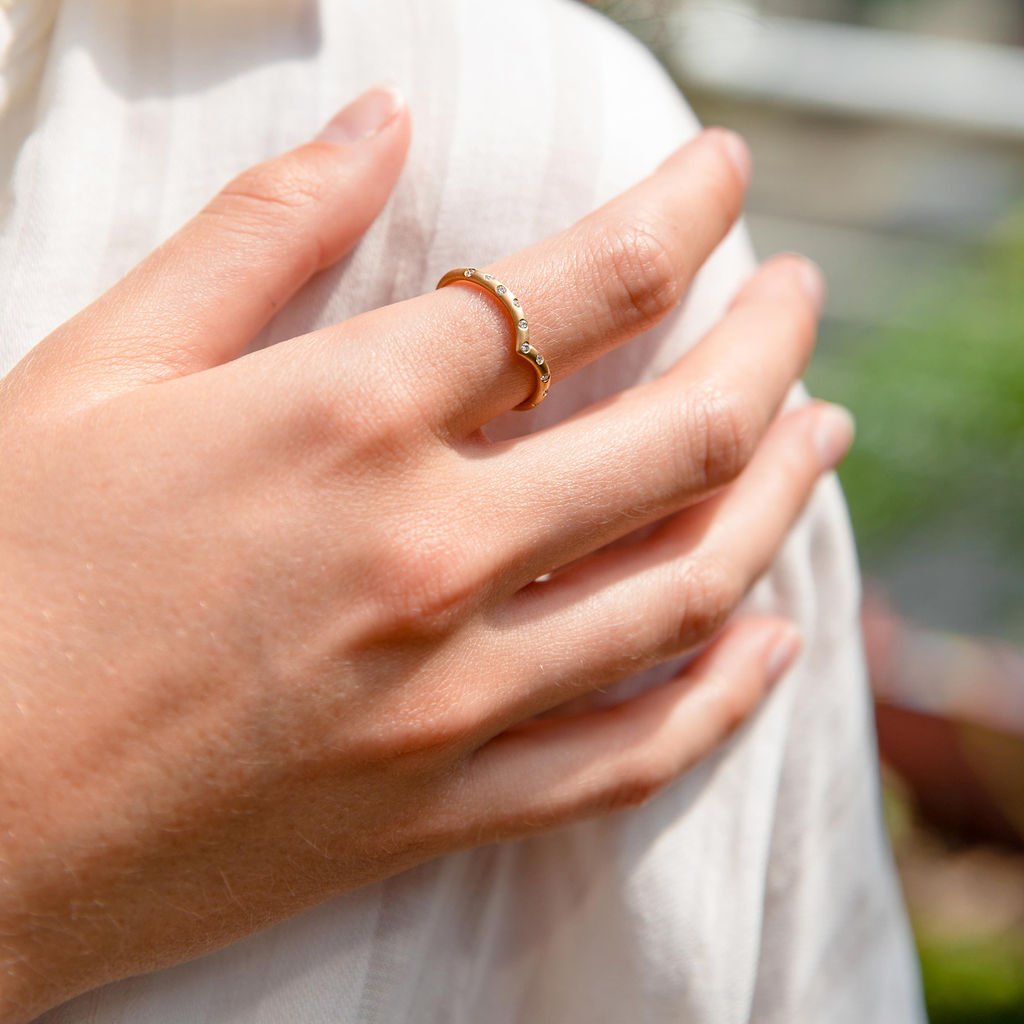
888 141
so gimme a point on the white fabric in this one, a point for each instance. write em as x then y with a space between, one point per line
760 886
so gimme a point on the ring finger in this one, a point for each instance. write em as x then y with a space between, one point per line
625 609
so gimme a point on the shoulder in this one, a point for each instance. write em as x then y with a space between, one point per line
547 104
590 77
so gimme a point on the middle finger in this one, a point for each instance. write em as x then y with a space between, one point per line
657 447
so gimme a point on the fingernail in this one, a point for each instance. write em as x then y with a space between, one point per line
737 151
364 116
833 435
783 649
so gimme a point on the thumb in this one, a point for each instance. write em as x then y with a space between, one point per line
201 297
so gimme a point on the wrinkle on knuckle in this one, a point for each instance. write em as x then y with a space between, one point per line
279 199
436 582
322 425
709 594
329 415
276 187
723 436
636 270
636 783
434 721
441 737
381 400
337 425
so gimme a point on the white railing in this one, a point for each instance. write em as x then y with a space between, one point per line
730 48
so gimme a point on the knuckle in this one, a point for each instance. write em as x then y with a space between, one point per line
710 593
276 187
637 782
433 581
723 435
276 197
441 732
342 420
637 272
332 415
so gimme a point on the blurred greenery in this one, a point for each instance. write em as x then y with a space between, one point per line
940 408
940 443
980 982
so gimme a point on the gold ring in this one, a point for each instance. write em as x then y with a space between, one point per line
523 348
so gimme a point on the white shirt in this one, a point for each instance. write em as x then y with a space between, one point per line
760 886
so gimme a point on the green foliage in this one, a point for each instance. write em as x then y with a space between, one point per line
973 983
940 412
940 408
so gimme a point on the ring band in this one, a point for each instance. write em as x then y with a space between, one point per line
523 348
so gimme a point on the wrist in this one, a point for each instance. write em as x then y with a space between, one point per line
20 1002
37 928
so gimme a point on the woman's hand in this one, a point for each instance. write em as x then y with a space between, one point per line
269 625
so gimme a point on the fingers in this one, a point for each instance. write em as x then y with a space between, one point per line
660 446
199 298
589 288
553 771
634 606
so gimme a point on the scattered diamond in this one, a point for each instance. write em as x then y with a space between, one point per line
490 277
501 289
515 301
469 271
540 359
525 347
545 377
522 325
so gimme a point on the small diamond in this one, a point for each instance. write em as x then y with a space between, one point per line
539 358
490 277
469 271
522 325
515 301
525 347
501 289
545 377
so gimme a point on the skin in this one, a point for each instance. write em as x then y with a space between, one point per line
270 626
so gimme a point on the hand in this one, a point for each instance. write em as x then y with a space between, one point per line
269 625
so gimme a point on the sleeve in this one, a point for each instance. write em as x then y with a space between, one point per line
830 940
760 886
